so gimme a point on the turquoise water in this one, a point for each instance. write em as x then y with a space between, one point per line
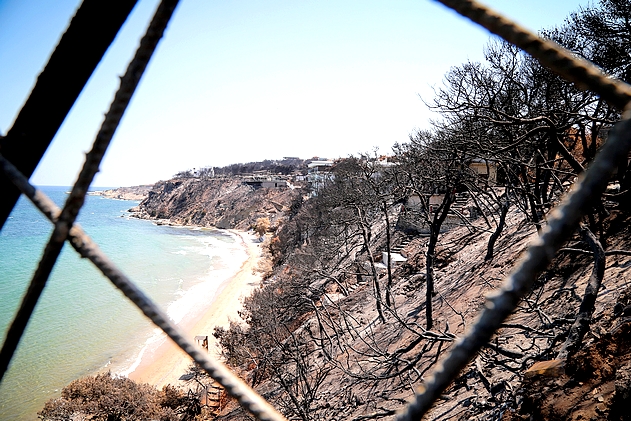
82 324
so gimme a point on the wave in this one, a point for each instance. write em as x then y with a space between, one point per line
154 341
189 304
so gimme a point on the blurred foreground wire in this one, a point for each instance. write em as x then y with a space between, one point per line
562 222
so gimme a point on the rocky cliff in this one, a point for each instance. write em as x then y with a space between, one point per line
124 193
220 202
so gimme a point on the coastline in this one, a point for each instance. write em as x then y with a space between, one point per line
167 363
134 193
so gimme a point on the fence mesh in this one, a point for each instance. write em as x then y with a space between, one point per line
562 222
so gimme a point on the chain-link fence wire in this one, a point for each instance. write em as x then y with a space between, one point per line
562 223
92 29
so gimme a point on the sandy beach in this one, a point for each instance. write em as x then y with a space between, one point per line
167 363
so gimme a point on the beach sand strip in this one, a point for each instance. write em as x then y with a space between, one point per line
167 363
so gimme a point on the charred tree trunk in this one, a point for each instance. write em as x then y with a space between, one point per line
434 231
498 231
375 277
529 197
389 253
569 158
585 311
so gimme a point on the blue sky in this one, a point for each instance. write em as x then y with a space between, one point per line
239 81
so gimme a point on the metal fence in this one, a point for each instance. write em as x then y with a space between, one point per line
562 222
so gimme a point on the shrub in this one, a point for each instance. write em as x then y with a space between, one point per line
261 226
109 398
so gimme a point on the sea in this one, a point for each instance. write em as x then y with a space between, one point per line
82 324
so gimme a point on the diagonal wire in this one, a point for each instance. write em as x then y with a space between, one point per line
565 63
84 245
68 215
58 86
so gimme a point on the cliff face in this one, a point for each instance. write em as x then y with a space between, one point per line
221 203
124 193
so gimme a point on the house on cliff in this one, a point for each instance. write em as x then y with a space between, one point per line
318 174
487 171
270 183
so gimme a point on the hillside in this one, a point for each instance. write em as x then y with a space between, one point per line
124 193
361 368
317 348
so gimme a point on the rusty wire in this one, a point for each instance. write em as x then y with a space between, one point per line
562 223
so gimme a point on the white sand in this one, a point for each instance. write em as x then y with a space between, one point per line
167 363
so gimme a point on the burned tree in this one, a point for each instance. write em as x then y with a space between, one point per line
433 172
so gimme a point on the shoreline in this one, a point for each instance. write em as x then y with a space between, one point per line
167 362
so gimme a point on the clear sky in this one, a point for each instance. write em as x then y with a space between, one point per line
240 81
